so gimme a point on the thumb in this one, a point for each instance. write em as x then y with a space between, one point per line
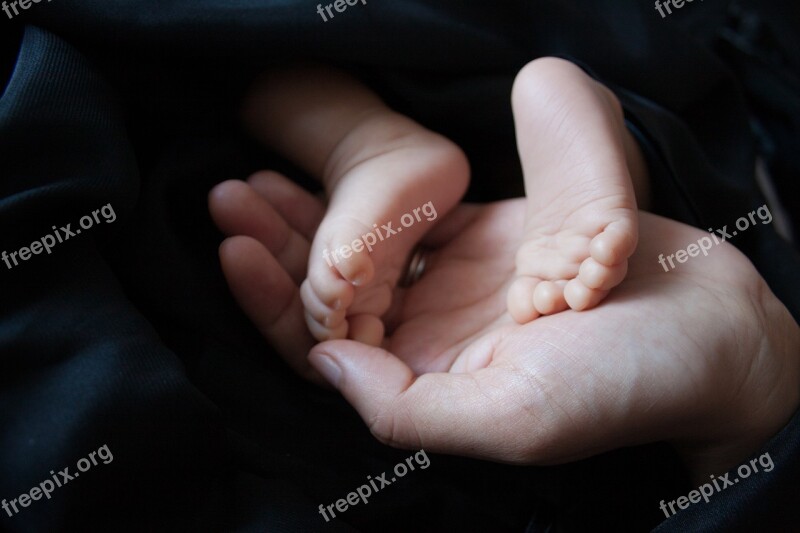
468 414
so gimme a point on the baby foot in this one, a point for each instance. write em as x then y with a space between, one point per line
581 224
395 175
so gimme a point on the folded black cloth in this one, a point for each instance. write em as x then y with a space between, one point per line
122 340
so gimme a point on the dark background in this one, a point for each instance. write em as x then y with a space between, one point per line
127 336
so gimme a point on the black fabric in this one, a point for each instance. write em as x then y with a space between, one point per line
126 336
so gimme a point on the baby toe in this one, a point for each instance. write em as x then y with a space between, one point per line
548 297
323 333
325 315
579 297
331 290
345 253
615 243
595 275
355 267
520 300
367 329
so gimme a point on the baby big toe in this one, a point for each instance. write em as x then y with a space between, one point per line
520 300
329 288
580 297
367 329
614 244
595 275
355 267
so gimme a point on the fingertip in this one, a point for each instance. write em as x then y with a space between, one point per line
221 198
221 190
371 376
232 246
327 367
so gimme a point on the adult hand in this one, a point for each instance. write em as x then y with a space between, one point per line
704 356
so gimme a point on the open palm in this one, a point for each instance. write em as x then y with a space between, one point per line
656 361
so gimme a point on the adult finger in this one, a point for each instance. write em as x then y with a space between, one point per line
472 414
301 210
238 209
270 298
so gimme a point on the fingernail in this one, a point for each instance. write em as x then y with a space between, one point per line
328 368
359 280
